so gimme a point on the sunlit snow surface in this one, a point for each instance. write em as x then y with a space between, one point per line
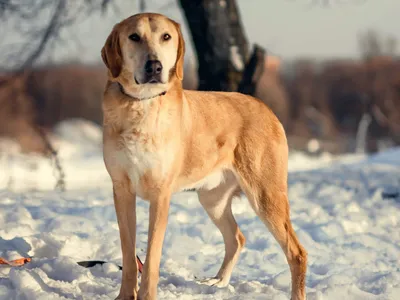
345 211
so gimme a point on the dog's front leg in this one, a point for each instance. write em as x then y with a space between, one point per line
125 206
159 207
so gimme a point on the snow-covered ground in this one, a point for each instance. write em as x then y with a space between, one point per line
346 212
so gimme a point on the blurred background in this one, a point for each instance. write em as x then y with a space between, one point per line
329 69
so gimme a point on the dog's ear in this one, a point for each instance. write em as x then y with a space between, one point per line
181 53
111 53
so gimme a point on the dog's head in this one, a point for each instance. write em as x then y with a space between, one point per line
144 53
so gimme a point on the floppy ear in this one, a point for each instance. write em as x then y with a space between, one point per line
111 53
181 53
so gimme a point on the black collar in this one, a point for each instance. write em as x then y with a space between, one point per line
123 92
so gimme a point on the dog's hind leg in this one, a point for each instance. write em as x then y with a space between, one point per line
264 180
217 203
273 210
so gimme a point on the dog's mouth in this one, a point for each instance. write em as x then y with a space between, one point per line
154 80
150 80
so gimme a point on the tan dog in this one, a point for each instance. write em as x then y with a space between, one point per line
160 139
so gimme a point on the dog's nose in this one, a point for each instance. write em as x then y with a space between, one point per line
153 67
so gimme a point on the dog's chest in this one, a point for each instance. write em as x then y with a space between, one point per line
141 153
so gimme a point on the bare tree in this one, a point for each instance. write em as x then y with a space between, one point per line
371 45
374 44
39 24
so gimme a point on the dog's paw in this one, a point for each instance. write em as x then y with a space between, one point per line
127 296
218 282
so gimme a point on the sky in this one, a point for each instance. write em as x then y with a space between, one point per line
292 28
286 28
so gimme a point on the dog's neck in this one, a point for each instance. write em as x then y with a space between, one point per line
121 88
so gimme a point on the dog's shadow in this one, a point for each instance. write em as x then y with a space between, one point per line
178 283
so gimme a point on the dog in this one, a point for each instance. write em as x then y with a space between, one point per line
159 139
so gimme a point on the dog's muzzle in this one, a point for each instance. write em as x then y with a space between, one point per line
153 70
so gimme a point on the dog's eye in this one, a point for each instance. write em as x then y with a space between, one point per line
166 37
134 37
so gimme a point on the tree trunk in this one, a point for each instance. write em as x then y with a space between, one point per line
221 45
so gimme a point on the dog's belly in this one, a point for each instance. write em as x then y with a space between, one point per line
209 182
139 164
147 169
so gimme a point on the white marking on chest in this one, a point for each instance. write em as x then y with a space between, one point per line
141 148
138 156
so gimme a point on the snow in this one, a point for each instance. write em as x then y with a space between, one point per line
345 211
